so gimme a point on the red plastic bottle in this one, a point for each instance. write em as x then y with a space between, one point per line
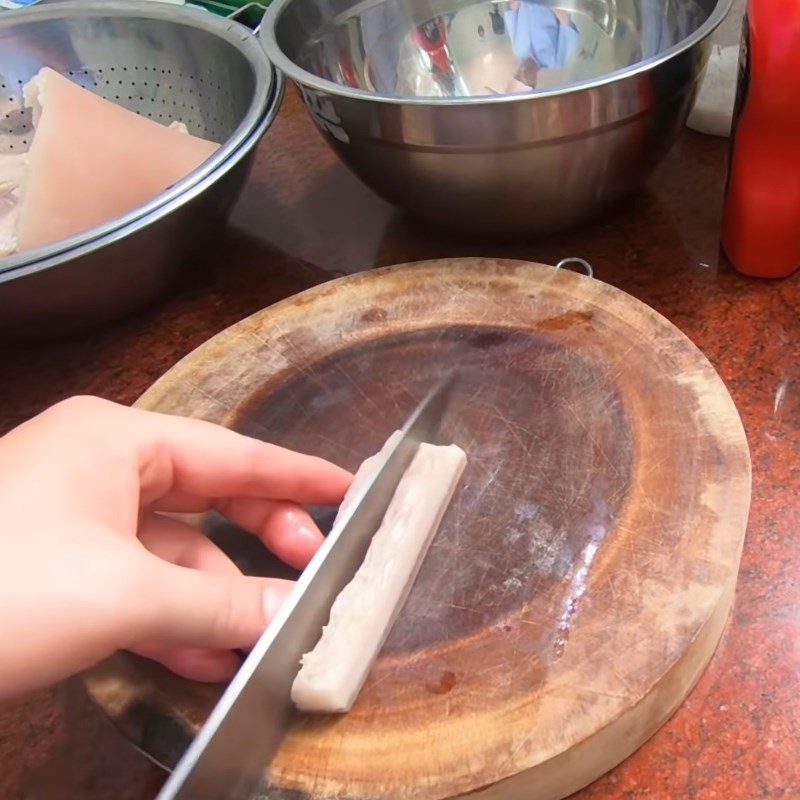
761 223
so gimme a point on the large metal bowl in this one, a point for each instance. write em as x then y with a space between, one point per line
163 61
501 118
128 266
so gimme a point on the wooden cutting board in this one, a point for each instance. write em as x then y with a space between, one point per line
583 574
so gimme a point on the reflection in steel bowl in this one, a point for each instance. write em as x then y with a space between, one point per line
506 118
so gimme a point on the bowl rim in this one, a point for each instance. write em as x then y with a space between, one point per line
113 236
308 80
236 34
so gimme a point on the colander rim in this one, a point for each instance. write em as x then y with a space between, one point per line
236 34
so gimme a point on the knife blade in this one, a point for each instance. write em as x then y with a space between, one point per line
228 757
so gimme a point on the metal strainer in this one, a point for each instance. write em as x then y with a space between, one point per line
162 61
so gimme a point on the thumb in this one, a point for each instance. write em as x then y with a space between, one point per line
191 608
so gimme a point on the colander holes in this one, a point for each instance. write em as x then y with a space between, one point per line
113 69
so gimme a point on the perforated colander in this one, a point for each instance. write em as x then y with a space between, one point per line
162 61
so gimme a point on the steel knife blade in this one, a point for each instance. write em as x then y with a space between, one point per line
228 758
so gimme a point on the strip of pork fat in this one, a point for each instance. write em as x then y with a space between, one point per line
333 673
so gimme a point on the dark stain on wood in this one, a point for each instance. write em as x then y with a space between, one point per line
444 685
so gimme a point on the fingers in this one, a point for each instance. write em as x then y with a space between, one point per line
178 543
183 545
176 458
284 528
192 457
196 609
208 666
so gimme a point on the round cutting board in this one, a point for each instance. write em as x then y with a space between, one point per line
583 574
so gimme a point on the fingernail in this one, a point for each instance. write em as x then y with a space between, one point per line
306 543
310 535
272 601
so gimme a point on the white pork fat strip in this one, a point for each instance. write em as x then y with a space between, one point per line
13 174
333 673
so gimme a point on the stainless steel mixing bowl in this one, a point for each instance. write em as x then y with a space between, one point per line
162 61
496 117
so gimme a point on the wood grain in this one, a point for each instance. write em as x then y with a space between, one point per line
583 574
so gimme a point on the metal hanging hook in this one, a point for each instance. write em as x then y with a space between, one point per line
582 262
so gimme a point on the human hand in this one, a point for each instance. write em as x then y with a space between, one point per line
89 564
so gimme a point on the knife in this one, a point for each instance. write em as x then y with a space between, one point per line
228 758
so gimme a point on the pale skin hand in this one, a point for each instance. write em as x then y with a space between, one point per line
90 565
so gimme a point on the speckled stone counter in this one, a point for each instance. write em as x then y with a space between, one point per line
303 218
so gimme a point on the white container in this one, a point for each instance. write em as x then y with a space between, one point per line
713 108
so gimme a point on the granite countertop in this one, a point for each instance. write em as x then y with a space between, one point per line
303 218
